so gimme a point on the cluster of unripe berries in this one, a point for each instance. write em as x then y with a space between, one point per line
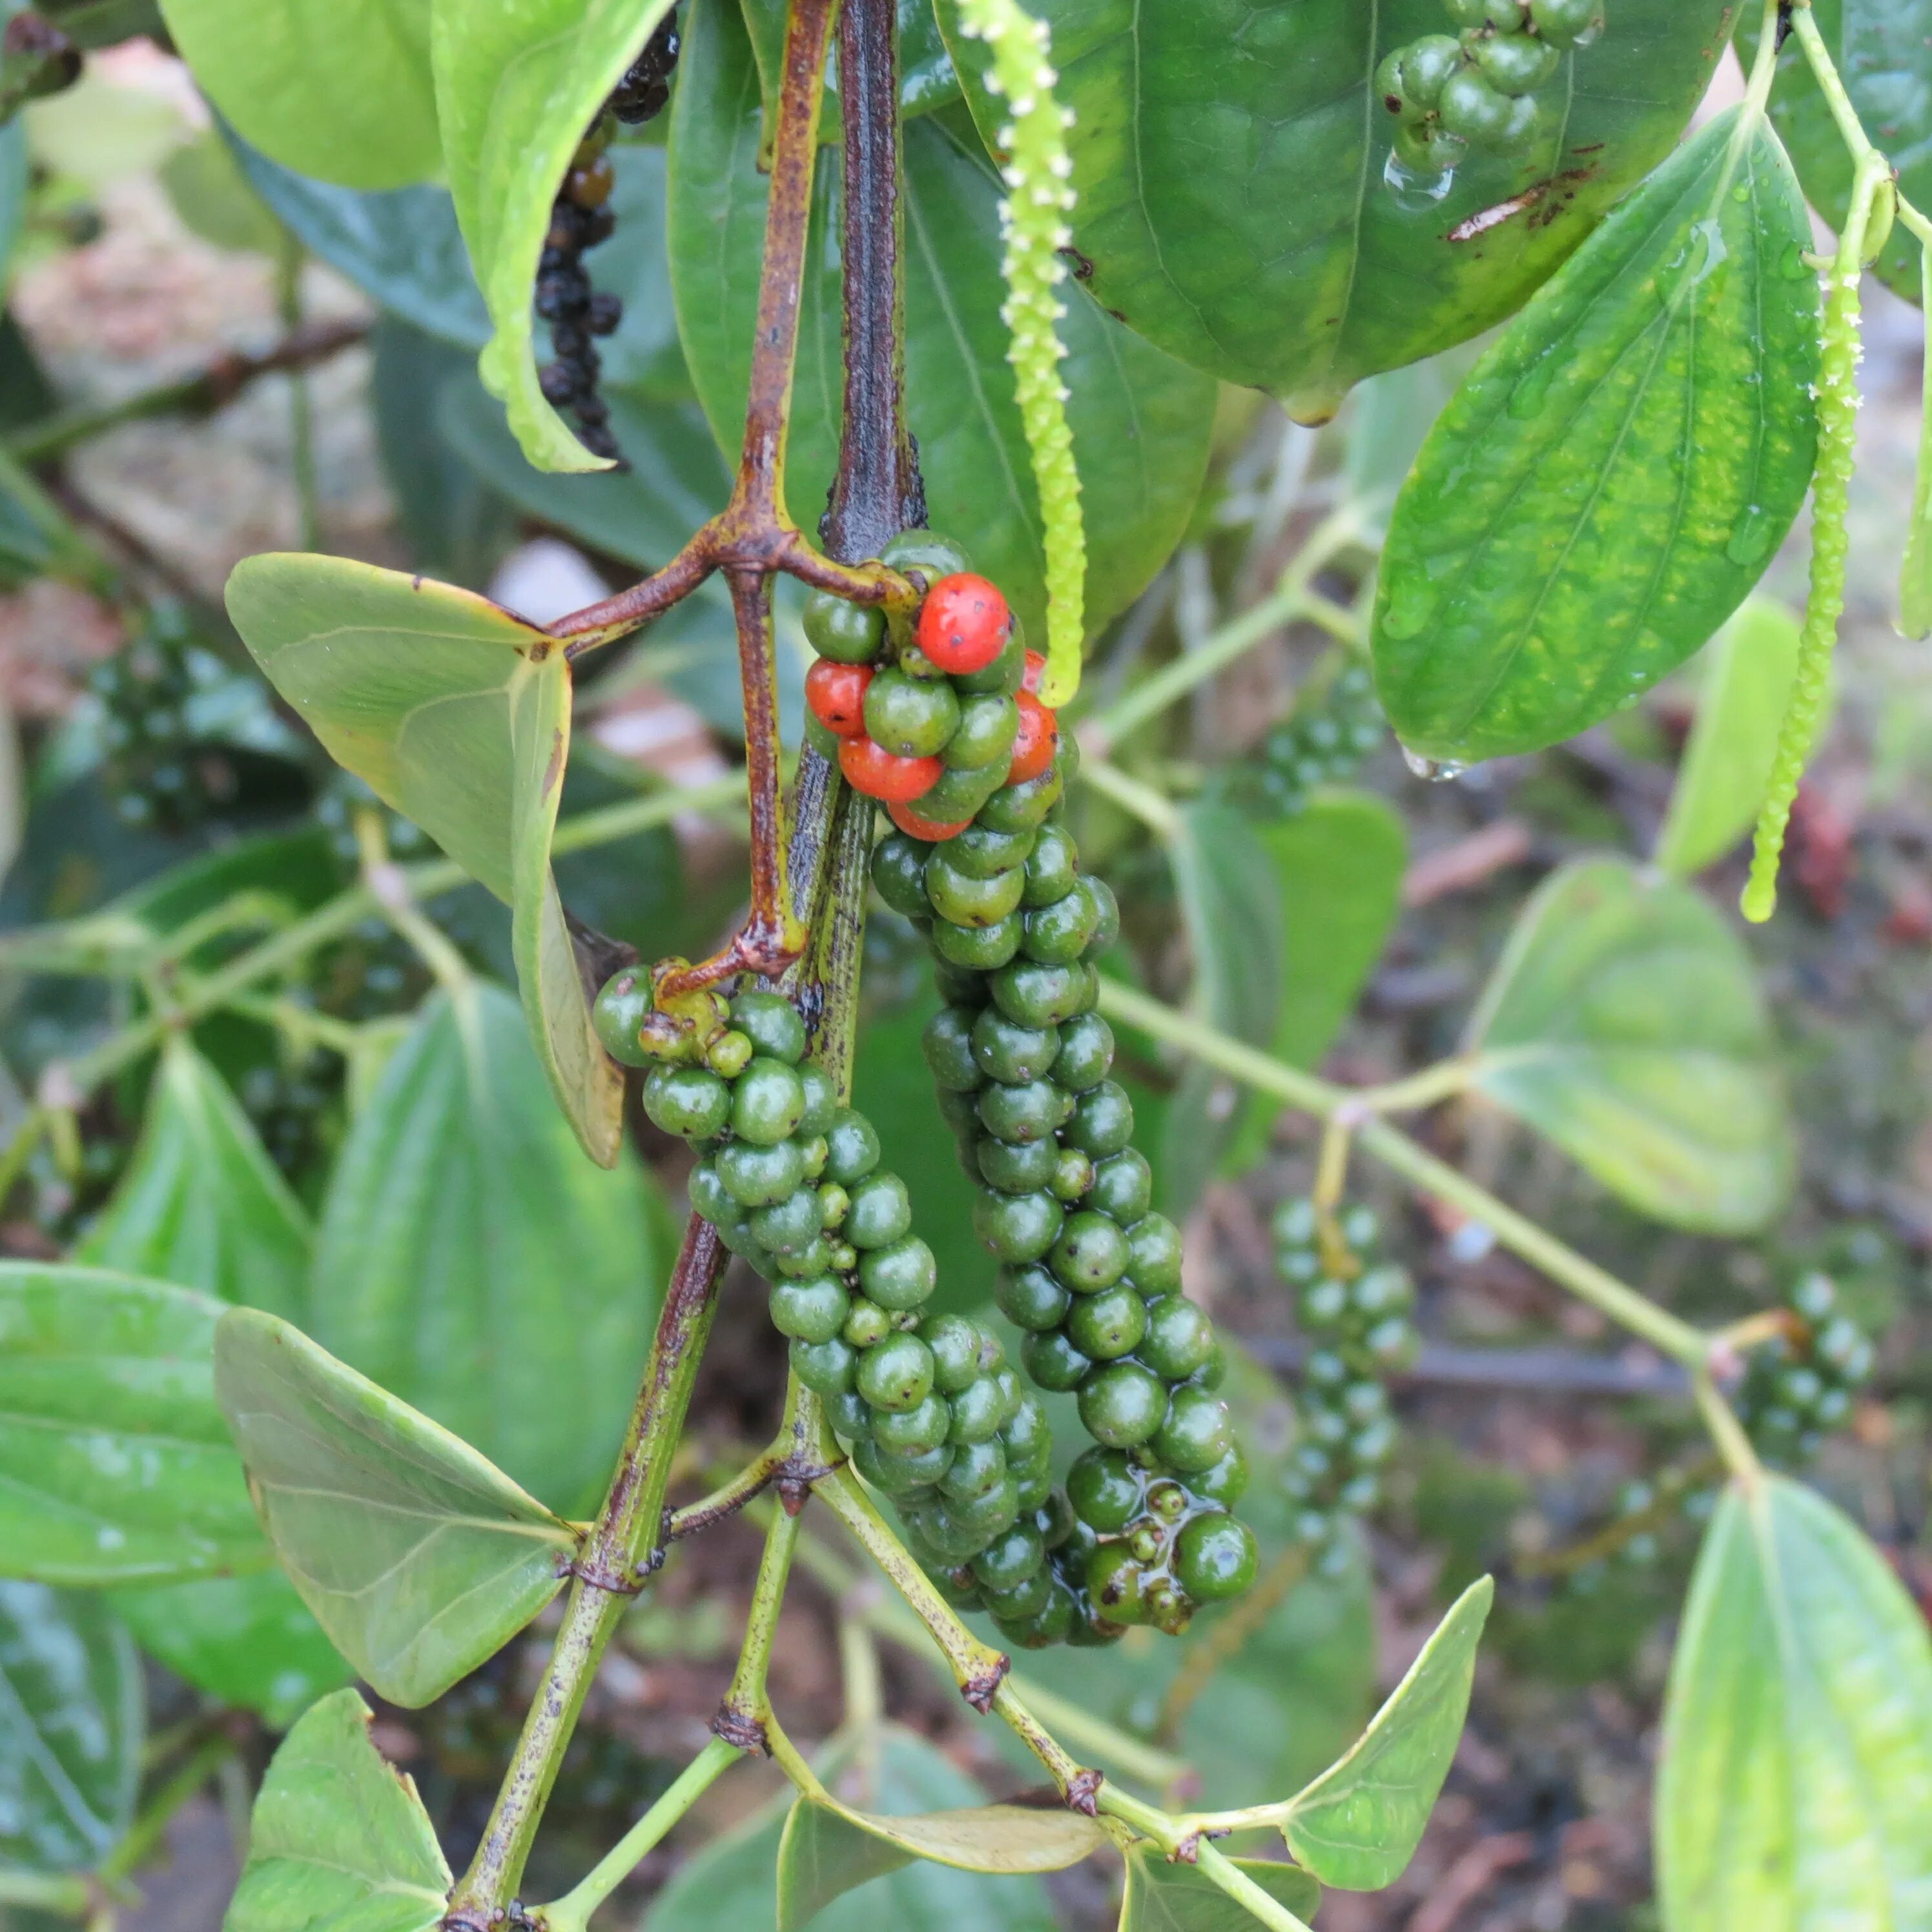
934 723
1320 743
1799 1385
580 218
1450 92
1355 1313
792 1181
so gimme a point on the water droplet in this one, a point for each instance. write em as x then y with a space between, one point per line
1527 398
1413 190
1792 265
1750 536
1412 603
1437 771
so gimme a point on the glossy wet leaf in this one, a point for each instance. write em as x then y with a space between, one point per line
1617 471
1357 1825
71 1719
1339 864
1229 158
472 1261
1883 49
201 1204
1231 909
338 88
1141 422
733 1884
516 87
250 1641
339 1840
1163 1897
1727 763
457 713
114 1464
418 1556
828 1848
1625 1021
1797 1771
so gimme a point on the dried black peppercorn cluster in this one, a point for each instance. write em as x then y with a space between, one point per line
581 218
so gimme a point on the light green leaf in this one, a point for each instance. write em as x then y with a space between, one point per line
201 1204
250 1641
212 196
339 1841
473 1262
71 1719
1796 1779
1625 1022
828 1846
517 82
1165 1897
115 1466
417 1557
1726 764
1618 468
1339 865
1357 1825
336 88
1142 423
1231 908
458 714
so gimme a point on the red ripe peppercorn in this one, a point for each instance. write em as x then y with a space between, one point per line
1039 739
878 773
909 822
964 624
1036 670
836 693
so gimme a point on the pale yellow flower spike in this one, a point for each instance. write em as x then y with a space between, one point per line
1038 173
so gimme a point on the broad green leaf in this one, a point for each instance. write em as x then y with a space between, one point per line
733 1884
1625 1021
473 1262
1883 49
1726 764
1232 911
417 1557
1141 423
830 1847
250 1641
1796 1778
1357 1825
339 1840
516 86
458 713
201 1204
1339 865
213 197
1229 161
1165 1897
114 1466
1617 470
338 88
71 1718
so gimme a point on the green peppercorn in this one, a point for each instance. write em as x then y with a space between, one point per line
930 555
1154 1254
1004 676
755 1175
687 1101
955 1343
1031 1298
767 1102
1059 935
958 793
989 723
1102 1123
1215 1558
908 1432
1108 1324
1037 995
852 1148
983 948
623 1005
947 1043
899 1276
898 874
1019 807
1086 1053
961 899
1196 1433
1091 1254
896 1376
845 633
880 1213
1031 1112
1122 1404
790 1225
1053 1362
1180 1338
825 1368
910 717
1017 1227
1123 1186
1073 1175
1003 1050
1015 1167
982 852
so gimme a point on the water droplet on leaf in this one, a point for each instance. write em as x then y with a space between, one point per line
1437 771
1415 191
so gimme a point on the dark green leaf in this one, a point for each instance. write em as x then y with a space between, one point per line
1229 160
70 1726
202 1205
1618 468
339 1841
1357 1825
457 713
339 88
417 1557
1883 49
1165 1897
115 1466
1339 865
1797 1771
1625 1021
471 1260
1141 423
927 80
516 87
1231 907
1726 764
